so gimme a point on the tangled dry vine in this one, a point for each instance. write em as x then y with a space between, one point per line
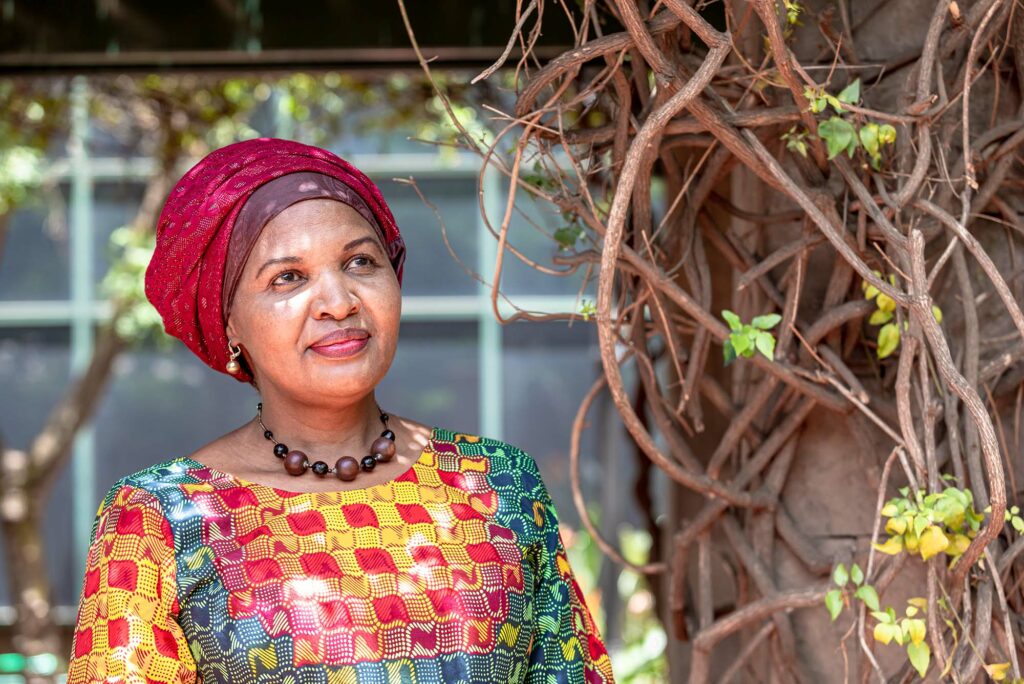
858 198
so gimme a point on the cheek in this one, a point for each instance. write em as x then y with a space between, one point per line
272 325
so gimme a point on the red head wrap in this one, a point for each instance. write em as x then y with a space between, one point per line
185 278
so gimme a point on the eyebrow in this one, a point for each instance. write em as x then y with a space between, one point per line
295 259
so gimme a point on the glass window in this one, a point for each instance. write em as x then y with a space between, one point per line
34 371
548 368
161 404
34 261
531 232
435 376
430 268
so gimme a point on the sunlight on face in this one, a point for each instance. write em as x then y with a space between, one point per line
317 267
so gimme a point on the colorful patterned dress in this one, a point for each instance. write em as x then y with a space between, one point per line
454 571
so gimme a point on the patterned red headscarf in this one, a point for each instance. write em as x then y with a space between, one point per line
185 277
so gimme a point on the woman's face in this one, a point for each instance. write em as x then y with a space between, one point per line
317 268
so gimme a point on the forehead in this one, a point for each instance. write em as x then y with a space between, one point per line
312 223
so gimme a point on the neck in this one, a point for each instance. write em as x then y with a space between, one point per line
322 432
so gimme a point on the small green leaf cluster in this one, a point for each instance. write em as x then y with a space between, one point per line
1012 516
568 236
793 10
840 134
926 525
796 140
746 338
909 631
836 599
889 333
587 309
539 178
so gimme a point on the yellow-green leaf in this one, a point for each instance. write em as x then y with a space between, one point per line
919 655
880 317
896 526
885 632
892 546
868 595
888 339
885 302
937 312
915 630
958 545
834 603
920 602
933 541
998 671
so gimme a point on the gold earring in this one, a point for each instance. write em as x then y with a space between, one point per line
233 366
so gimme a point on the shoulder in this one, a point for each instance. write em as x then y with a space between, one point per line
145 488
508 466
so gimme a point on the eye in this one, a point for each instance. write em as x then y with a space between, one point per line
370 261
279 276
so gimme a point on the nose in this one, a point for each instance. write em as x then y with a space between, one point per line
333 298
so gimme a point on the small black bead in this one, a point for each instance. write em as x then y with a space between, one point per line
321 468
260 406
268 434
368 463
384 417
280 450
388 434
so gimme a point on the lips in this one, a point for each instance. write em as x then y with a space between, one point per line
340 336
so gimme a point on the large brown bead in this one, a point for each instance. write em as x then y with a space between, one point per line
385 447
295 463
346 469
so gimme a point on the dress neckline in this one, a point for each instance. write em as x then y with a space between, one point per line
248 484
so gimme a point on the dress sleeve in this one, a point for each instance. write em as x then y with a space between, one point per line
566 645
127 628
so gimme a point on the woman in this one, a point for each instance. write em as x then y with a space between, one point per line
326 540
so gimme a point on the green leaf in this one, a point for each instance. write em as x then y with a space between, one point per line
920 655
882 616
834 603
1018 523
851 93
728 351
767 321
857 575
568 236
868 134
869 596
732 319
888 340
766 344
937 312
879 317
740 342
840 576
837 134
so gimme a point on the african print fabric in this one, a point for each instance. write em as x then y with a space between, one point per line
452 572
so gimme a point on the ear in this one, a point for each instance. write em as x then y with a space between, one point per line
230 331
